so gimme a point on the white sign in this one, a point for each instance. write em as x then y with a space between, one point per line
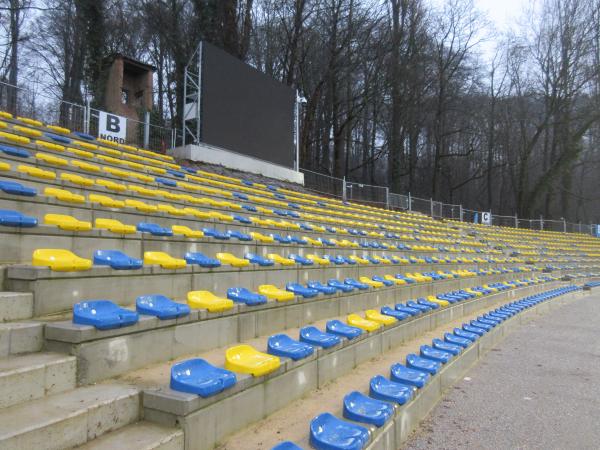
486 218
112 127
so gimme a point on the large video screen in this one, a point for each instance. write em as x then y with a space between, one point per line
245 110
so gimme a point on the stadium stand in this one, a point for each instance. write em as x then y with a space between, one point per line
119 264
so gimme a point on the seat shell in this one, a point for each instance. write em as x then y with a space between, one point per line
164 260
376 316
60 260
283 345
304 291
208 300
364 324
361 408
327 432
312 335
160 306
103 314
197 376
116 260
406 375
273 292
9 218
390 391
201 259
426 365
341 329
232 260
243 295
246 359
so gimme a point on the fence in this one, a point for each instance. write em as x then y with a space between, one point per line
381 196
37 104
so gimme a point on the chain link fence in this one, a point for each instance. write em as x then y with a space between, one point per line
48 109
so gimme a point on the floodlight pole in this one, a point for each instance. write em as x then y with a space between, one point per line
192 90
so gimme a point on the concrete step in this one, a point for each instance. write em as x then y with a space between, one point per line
15 306
28 377
139 436
68 419
20 337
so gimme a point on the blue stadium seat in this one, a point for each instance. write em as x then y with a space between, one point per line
383 280
257 259
438 344
466 334
14 188
327 432
10 218
240 196
242 219
304 291
341 329
103 314
426 365
386 310
298 240
190 170
215 234
15 151
335 259
428 352
243 295
286 445
314 336
283 345
306 227
250 208
166 181
201 259
87 137
327 290
361 408
339 285
176 173
356 284
154 229
456 340
432 305
197 376
160 306
407 309
58 138
116 260
390 391
414 377
239 235
420 307
301 260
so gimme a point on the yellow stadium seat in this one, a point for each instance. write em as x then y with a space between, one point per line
261 237
382 260
4 166
228 258
60 260
372 283
114 226
364 324
58 129
281 260
358 259
36 172
398 281
312 241
318 260
106 201
472 291
141 177
170 209
86 145
63 195
164 260
111 185
32 122
22 140
273 292
50 146
208 300
142 190
76 179
65 222
6 115
80 153
434 299
86 166
28 131
116 172
246 359
51 159
376 316
220 216
259 221
196 213
140 206
186 231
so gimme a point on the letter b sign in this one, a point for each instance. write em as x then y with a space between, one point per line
112 127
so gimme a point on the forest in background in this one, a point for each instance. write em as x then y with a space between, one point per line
423 97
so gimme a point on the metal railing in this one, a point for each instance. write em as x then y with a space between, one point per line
381 196
49 109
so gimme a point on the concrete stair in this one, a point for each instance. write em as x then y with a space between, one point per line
70 418
15 306
20 337
29 377
139 436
